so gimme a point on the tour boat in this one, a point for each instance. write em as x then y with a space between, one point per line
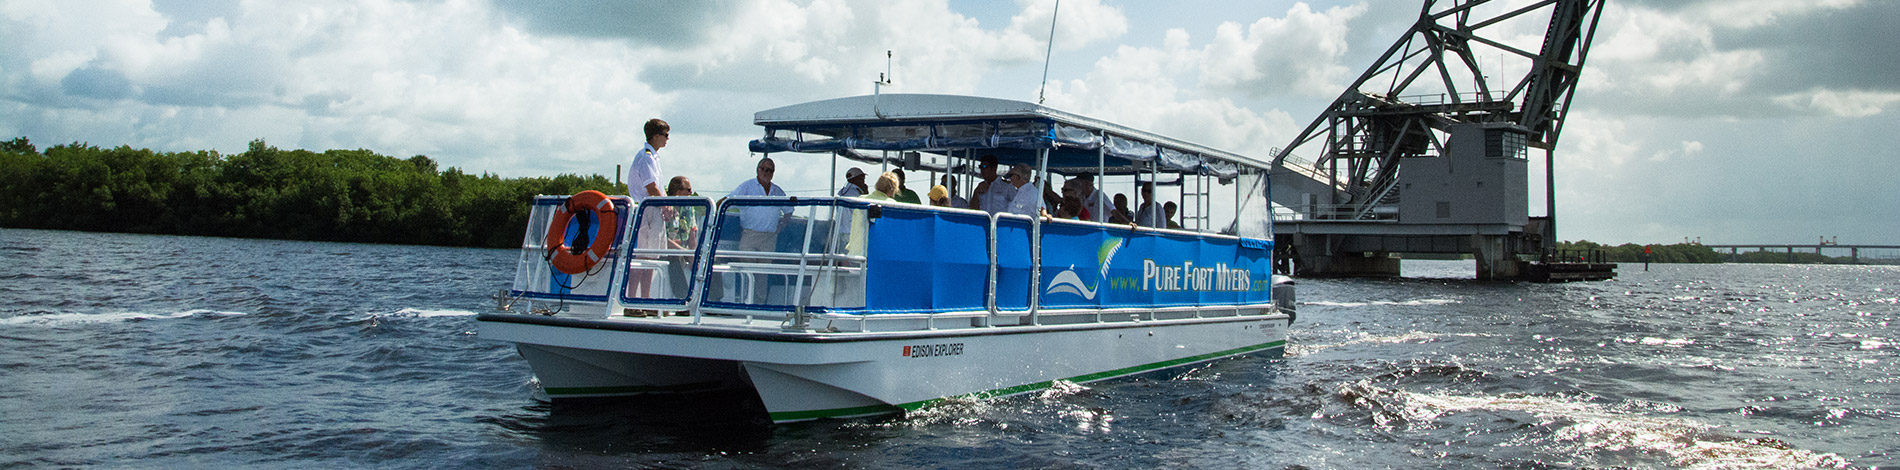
864 307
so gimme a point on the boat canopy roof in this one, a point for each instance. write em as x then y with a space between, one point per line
1013 131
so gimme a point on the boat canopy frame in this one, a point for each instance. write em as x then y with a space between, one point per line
1013 131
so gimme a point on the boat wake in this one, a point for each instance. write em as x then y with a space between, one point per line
1404 303
1576 431
65 319
1413 337
426 313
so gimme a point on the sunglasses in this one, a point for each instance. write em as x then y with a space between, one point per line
767 169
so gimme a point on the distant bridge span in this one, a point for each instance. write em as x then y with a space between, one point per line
1853 251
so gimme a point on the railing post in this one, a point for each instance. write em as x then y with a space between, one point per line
991 301
1035 241
799 299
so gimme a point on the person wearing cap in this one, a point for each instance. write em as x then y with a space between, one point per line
853 183
950 182
1028 199
853 187
939 196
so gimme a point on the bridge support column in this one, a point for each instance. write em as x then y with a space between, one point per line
1495 263
1317 258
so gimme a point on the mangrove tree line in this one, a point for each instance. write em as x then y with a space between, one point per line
266 192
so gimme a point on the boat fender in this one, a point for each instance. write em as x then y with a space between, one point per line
578 259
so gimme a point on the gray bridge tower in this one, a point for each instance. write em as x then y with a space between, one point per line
1428 152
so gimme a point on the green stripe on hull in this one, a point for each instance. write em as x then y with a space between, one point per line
630 389
914 406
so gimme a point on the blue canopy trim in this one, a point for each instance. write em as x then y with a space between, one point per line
1072 149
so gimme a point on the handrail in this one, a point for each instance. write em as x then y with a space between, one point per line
808 260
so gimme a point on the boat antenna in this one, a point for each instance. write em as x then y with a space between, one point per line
1048 53
877 87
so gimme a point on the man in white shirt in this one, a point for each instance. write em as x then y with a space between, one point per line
994 194
853 187
1149 214
1028 198
643 176
854 183
1097 203
759 224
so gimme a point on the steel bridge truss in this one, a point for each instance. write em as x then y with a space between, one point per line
1439 75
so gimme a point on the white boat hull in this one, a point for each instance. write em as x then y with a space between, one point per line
807 375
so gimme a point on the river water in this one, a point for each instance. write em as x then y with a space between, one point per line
161 351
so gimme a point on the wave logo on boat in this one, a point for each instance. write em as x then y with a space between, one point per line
1070 283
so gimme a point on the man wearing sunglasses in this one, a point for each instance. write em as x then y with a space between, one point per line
994 193
760 224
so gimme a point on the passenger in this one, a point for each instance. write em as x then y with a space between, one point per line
904 194
1026 201
886 187
956 201
759 224
939 196
854 183
860 225
682 233
1071 209
853 187
1149 214
1170 210
643 176
993 194
1071 202
1094 202
1121 215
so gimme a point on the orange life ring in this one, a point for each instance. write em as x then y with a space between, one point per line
575 260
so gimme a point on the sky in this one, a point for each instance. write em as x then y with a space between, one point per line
1724 121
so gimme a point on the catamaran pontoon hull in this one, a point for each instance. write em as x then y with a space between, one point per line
809 376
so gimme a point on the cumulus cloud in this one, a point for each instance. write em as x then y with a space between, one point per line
659 22
1849 103
1719 58
1142 87
538 88
1299 53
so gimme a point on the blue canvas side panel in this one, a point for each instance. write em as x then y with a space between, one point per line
1012 265
1071 266
1124 270
1260 263
899 272
960 274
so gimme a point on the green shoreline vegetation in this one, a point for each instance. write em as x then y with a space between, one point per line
265 192
360 196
